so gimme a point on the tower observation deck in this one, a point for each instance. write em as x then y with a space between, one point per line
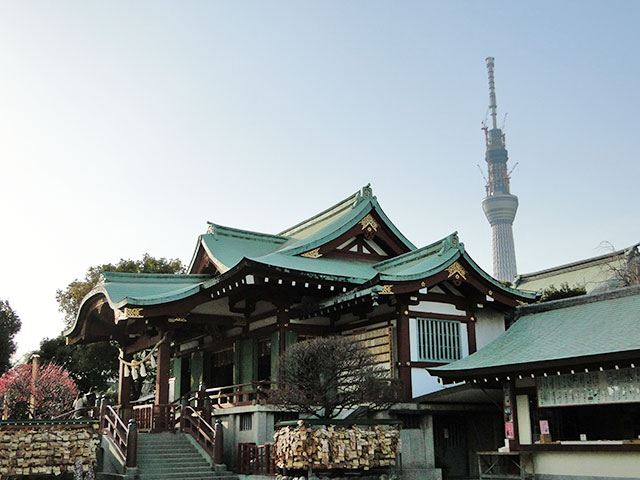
499 205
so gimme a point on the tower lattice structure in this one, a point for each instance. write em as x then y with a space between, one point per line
499 205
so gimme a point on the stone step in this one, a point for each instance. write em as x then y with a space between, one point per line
172 456
162 450
159 464
180 476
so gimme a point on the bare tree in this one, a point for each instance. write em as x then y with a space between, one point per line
625 270
325 376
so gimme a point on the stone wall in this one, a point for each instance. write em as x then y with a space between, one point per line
39 448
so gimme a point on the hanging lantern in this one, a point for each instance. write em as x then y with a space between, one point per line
153 361
143 370
126 370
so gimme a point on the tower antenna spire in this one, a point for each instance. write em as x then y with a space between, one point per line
493 106
500 205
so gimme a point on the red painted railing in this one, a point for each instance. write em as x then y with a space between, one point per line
256 459
207 436
155 418
125 438
236 395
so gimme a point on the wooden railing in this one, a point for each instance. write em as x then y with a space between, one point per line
209 438
236 395
256 459
155 418
125 438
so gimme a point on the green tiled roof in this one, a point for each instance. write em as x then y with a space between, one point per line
230 245
147 289
233 249
564 329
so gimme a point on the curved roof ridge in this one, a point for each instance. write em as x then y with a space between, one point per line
439 246
497 283
216 229
351 201
114 277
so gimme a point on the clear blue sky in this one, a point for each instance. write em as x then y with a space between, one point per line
125 126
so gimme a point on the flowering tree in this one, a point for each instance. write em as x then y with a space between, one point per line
53 391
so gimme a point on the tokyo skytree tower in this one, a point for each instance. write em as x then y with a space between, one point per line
499 205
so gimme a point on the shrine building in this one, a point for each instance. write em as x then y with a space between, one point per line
248 296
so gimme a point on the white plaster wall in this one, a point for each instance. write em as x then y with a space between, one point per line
524 421
464 339
413 339
588 464
436 307
423 383
489 325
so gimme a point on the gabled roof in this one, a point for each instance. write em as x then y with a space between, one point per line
226 247
551 333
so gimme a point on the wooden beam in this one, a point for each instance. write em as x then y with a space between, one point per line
142 343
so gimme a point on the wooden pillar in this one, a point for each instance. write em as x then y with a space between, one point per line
162 373
510 415
124 389
282 317
132 443
404 352
471 332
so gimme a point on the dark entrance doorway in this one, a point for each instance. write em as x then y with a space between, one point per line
450 445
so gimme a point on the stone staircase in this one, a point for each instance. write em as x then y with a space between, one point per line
175 456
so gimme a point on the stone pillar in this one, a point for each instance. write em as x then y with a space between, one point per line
34 375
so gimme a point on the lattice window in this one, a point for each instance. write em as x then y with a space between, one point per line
438 340
246 421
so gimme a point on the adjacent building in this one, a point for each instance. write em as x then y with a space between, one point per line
568 372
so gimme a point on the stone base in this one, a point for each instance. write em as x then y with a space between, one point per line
421 473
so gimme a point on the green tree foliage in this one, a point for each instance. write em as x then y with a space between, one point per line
70 298
93 365
9 326
565 291
325 376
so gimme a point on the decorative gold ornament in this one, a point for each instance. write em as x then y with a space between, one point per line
456 270
133 312
386 290
520 302
177 320
369 222
315 253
